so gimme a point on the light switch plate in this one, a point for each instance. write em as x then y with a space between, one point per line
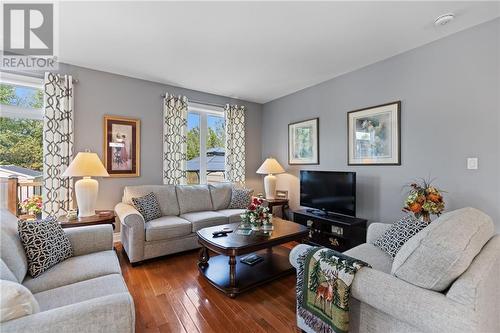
472 163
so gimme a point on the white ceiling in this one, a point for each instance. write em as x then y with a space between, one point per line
251 50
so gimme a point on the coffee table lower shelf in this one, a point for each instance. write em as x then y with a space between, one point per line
275 265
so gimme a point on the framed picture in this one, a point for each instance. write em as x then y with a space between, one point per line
281 194
122 152
373 135
303 142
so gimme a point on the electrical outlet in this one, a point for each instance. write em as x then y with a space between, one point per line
472 163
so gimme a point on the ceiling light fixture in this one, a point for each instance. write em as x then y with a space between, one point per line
444 19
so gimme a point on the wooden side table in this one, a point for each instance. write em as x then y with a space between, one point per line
283 203
101 217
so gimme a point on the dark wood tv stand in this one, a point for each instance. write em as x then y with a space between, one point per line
338 232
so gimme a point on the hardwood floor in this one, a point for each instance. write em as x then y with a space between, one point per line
171 296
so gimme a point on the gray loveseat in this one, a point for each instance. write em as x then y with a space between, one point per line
85 293
185 210
444 279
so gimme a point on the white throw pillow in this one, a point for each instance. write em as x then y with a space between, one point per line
16 301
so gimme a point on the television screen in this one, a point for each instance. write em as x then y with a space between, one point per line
329 191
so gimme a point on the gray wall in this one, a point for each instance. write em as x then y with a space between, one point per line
450 111
98 93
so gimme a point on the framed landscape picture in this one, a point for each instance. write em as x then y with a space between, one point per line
303 142
373 135
122 146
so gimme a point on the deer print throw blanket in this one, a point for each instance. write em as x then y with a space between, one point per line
324 280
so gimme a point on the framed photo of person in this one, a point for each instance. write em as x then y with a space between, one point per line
122 152
303 142
374 135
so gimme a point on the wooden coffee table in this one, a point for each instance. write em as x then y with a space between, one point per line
225 271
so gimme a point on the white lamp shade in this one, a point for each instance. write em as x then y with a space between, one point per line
270 166
86 165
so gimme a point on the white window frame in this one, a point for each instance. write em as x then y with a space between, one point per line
12 111
203 111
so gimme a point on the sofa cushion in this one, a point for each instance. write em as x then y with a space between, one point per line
194 198
75 269
165 194
16 301
167 227
6 273
147 206
232 214
81 291
441 252
240 198
399 233
11 248
45 244
369 253
205 219
221 195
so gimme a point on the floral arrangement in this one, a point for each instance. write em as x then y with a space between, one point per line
423 200
256 214
32 205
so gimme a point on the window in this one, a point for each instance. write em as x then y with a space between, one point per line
205 144
21 124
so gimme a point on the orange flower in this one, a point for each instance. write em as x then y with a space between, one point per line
415 207
434 197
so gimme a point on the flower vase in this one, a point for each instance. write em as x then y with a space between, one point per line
425 217
255 227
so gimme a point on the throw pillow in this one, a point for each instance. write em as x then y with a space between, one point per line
398 234
147 206
240 198
45 244
16 301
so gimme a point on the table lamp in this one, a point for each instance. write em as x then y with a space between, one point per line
270 167
86 165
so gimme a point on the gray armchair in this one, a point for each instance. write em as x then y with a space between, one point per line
382 302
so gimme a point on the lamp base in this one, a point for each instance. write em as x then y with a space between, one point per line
270 186
86 196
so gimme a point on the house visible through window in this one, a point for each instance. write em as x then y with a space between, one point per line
21 133
205 144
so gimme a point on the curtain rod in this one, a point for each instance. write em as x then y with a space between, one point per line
34 75
200 102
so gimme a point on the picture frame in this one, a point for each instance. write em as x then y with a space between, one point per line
281 194
374 135
303 142
122 148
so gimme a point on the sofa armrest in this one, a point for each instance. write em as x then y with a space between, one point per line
375 231
113 313
427 310
129 216
90 239
133 233
296 252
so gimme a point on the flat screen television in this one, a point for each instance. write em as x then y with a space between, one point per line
329 191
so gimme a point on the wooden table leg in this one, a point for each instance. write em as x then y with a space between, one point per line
232 274
203 257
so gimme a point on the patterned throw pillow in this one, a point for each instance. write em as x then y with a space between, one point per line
241 198
148 206
45 244
398 234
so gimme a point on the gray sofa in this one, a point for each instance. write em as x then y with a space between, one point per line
185 210
85 293
444 279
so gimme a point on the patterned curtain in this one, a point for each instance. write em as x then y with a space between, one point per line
175 111
235 143
57 143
